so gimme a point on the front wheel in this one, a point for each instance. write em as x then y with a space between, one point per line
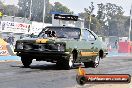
26 62
93 64
66 63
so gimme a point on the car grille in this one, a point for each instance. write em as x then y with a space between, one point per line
41 47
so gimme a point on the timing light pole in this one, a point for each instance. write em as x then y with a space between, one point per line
30 14
43 14
90 21
130 23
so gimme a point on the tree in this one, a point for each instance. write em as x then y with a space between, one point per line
100 12
37 9
108 21
113 15
91 20
24 7
89 13
11 10
58 7
106 15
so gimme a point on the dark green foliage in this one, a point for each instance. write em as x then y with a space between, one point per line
37 9
108 21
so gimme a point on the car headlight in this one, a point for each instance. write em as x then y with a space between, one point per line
61 47
27 47
19 46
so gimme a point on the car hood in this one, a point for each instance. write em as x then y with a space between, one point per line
43 40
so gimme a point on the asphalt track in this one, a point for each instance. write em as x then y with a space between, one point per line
17 58
47 75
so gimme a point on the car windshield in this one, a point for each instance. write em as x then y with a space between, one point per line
61 32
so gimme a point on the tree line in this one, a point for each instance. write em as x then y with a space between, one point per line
109 20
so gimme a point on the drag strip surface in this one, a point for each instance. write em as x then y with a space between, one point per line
47 75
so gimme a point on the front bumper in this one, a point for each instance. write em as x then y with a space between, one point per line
43 55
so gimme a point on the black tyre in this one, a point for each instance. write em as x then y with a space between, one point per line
81 80
93 64
26 62
88 64
96 62
65 63
68 64
59 64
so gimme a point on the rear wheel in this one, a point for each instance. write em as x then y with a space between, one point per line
88 64
26 62
96 62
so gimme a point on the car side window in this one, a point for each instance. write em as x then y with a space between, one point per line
85 34
91 37
88 36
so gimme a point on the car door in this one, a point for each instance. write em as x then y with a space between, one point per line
88 41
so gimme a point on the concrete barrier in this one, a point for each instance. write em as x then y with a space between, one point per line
5 49
9 58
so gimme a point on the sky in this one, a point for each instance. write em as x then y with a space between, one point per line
78 6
